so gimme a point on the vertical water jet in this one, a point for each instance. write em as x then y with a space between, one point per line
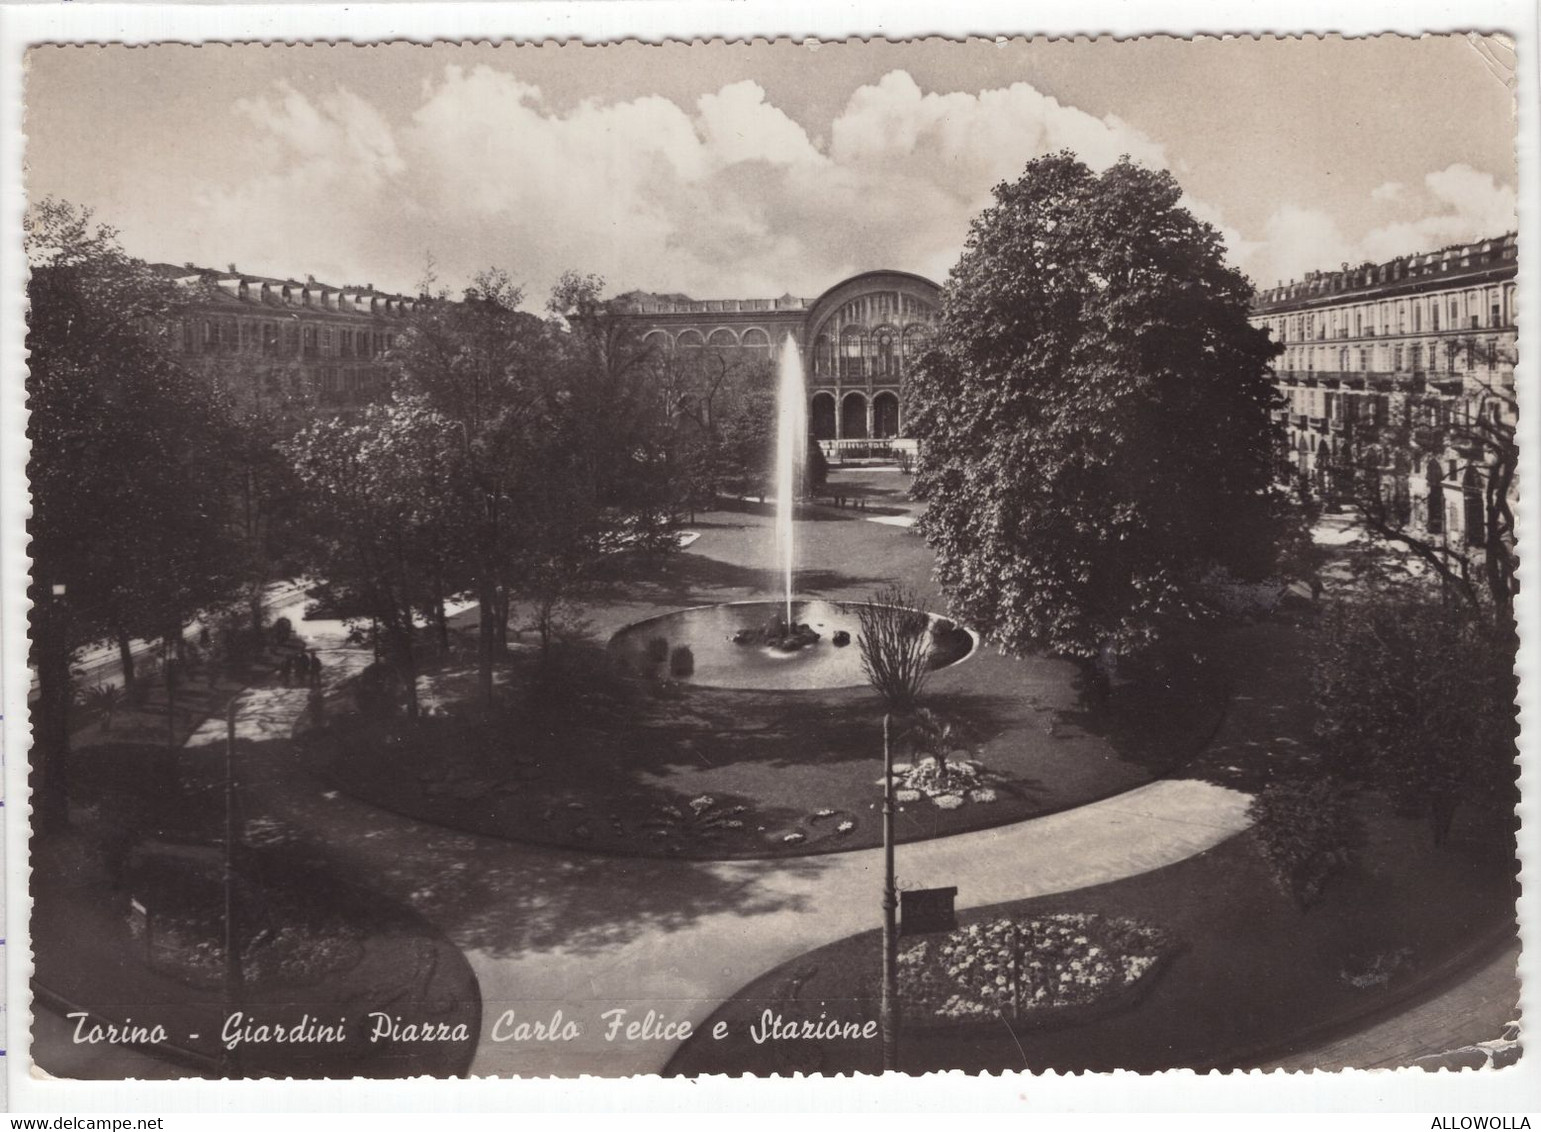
791 454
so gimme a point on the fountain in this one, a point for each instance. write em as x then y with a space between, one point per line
785 644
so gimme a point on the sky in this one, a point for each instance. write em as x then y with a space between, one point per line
754 170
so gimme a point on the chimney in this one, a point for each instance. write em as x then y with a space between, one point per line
232 270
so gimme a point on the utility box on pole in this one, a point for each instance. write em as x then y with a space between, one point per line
925 910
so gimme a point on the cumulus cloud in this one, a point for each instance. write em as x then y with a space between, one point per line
1456 204
1390 191
730 196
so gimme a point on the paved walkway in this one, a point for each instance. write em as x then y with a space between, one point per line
549 930
1470 1016
803 904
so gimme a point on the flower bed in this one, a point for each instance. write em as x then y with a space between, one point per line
1028 969
291 936
946 785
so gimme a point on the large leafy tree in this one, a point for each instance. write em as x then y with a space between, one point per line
1094 416
389 501
482 364
127 468
1415 694
595 473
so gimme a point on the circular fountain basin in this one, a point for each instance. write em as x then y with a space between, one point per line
716 661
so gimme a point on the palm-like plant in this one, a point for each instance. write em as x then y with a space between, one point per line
104 699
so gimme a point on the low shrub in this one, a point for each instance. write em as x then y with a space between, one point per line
682 662
1306 830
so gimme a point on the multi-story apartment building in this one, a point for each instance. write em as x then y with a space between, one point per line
1408 348
280 342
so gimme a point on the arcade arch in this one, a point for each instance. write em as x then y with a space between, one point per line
853 417
821 420
885 415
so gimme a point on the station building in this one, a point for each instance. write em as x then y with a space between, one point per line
857 339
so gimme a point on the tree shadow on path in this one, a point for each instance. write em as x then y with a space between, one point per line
493 895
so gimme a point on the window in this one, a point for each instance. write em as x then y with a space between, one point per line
885 358
1396 359
1434 317
269 338
1417 360
1418 318
1492 354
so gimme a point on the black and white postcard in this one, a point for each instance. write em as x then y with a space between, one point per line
882 554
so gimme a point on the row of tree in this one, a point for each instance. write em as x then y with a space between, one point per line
508 455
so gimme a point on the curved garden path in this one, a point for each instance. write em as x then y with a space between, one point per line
549 930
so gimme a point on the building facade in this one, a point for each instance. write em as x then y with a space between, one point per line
283 343
858 340
1363 347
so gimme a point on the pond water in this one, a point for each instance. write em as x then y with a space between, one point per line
717 661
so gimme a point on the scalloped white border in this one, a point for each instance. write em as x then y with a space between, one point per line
1292 1097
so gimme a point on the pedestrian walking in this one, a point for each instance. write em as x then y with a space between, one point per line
286 670
315 669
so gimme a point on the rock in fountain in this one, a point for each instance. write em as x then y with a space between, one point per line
779 634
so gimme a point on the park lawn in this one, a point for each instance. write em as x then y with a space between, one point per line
714 773
1252 978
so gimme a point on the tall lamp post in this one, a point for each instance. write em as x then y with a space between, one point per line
232 934
889 1009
